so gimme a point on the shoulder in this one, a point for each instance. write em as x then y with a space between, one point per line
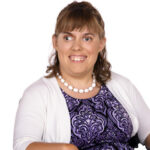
42 84
38 90
117 78
120 83
41 87
36 86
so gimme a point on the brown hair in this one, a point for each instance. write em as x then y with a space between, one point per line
78 15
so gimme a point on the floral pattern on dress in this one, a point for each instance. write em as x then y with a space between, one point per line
99 123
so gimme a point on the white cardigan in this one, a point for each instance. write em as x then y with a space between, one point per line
43 114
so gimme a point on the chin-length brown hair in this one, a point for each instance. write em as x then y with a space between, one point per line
78 15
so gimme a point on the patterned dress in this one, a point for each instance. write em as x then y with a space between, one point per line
99 123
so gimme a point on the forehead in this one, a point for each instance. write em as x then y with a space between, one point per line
84 30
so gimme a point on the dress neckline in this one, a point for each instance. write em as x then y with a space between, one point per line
64 93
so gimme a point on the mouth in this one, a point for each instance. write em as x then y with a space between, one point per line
77 58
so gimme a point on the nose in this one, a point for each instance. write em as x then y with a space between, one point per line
76 46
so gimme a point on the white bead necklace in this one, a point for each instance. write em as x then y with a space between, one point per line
76 90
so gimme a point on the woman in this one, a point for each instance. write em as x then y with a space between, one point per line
81 104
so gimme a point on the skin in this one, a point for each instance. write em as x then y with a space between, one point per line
78 43
51 146
147 142
74 43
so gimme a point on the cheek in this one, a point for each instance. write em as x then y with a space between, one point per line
63 48
93 54
93 51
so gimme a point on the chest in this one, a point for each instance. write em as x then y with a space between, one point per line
98 120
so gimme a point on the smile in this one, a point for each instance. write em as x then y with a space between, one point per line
77 58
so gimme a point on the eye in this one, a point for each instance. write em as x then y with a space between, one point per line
87 38
67 38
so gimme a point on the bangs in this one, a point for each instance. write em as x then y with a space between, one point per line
78 19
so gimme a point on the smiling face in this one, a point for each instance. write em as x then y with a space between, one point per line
77 51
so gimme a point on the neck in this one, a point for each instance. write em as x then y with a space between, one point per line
79 80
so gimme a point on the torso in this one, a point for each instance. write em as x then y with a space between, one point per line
99 123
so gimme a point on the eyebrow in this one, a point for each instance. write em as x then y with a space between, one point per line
67 33
88 33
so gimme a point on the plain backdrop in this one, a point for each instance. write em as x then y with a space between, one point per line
26 27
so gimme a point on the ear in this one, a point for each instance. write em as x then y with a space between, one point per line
102 44
54 40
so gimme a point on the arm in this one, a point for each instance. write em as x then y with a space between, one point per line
147 142
143 113
30 122
51 146
30 119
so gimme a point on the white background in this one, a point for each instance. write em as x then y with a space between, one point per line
26 27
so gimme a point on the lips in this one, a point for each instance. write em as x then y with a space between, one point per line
78 58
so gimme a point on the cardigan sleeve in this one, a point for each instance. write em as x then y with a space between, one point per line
30 117
143 113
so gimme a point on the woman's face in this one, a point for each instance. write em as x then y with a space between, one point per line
77 51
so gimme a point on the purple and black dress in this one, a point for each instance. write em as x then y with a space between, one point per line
99 123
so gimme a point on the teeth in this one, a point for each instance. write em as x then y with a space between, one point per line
77 58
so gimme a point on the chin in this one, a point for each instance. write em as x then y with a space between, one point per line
78 72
